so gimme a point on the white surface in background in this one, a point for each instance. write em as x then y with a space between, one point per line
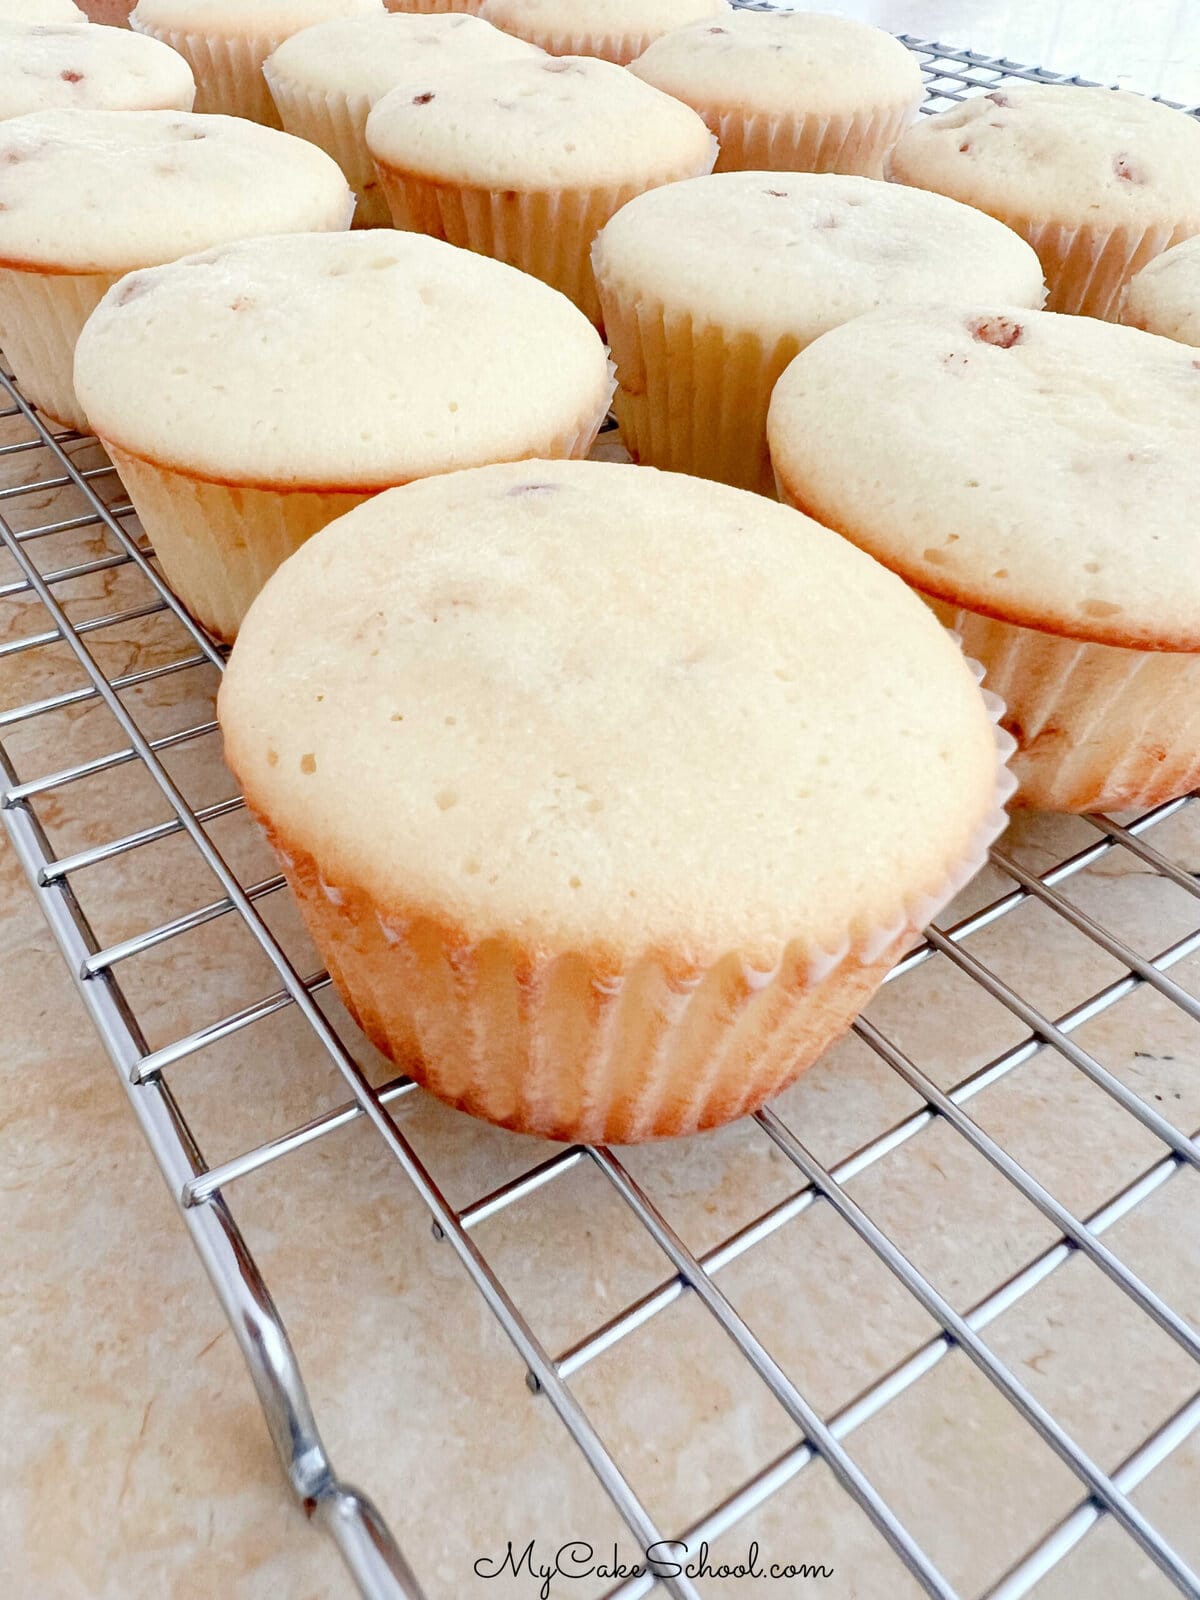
1152 45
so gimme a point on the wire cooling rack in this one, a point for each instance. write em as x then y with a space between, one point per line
67 612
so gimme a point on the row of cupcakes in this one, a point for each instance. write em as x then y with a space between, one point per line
712 287
439 124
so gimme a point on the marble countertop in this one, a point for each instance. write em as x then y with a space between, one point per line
135 1462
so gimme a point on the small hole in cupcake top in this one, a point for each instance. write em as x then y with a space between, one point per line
423 99
776 194
531 488
69 75
718 30
965 147
998 99
130 290
1126 171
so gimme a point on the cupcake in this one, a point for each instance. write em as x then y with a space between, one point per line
709 288
324 81
227 41
618 30
609 796
250 395
790 91
1098 180
37 11
93 69
526 160
92 195
1164 297
1036 478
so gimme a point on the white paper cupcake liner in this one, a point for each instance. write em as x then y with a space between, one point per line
855 143
690 396
228 71
338 124
41 317
562 1045
547 233
619 47
1087 268
1098 728
429 7
219 543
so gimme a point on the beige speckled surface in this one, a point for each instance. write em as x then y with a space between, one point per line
136 1466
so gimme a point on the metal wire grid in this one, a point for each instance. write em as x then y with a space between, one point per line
203 1193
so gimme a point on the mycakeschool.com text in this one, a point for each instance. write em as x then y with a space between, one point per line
669 1558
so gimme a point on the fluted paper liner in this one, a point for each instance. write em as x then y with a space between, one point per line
1097 727
691 396
1087 268
855 143
619 47
228 71
545 232
556 1043
428 7
218 543
41 317
338 124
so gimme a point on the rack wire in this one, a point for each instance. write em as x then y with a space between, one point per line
58 648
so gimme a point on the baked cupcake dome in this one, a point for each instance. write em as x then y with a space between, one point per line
608 795
249 395
36 11
60 65
227 41
1164 297
1042 494
92 195
526 160
617 30
1098 180
790 91
709 288
324 81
